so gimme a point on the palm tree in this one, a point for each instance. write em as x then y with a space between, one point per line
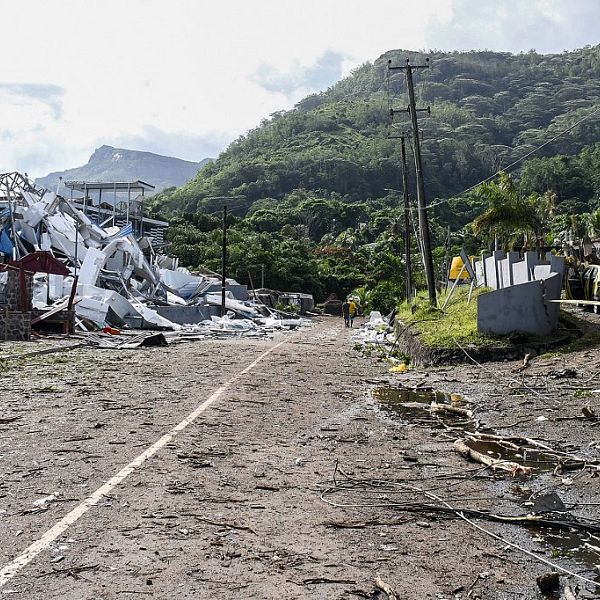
594 224
544 208
508 215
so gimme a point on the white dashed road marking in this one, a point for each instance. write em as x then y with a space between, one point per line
12 568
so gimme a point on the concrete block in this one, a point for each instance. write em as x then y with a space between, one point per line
512 258
505 270
541 272
240 292
515 309
531 260
492 274
479 272
484 255
520 272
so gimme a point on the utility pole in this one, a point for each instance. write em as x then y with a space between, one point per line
224 261
408 259
421 199
224 240
408 276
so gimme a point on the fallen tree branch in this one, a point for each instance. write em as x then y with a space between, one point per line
363 524
385 588
358 486
225 524
316 580
566 460
453 410
513 468
444 507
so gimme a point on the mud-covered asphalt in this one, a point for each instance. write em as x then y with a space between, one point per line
284 486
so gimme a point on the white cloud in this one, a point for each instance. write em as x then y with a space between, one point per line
548 26
184 77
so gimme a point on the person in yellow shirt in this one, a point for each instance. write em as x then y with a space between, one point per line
346 312
351 312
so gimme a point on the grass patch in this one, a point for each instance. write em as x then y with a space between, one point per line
456 323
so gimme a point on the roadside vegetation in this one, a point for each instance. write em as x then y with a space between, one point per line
315 191
438 328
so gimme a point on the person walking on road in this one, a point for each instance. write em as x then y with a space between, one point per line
346 313
351 312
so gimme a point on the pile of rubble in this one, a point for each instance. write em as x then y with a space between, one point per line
376 337
114 278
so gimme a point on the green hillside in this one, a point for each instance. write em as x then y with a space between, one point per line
324 166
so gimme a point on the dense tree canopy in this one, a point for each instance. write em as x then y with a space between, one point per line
311 185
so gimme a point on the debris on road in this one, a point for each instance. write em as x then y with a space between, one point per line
76 267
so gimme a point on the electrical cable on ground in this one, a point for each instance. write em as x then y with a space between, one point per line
515 546
494 374
461 513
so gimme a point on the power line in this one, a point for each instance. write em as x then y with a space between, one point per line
516 162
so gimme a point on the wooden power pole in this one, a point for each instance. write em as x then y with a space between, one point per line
408 277
224 261
421 199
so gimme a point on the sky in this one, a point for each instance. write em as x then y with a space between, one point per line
186 77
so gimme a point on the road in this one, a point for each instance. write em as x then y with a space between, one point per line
244 469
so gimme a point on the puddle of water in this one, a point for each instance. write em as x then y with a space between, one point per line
412 404
582 547
540 462
577 545
400 395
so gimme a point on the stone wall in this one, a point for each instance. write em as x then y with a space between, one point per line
12 295
15 324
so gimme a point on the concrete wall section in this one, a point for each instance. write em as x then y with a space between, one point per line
498 271
552 288
515 309
520 308
522 290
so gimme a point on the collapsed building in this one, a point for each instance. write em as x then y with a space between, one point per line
116 273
